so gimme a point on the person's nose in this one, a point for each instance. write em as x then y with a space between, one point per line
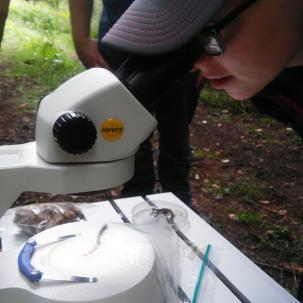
203 61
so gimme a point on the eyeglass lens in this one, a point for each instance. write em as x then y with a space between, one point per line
211 37
213 46
211 42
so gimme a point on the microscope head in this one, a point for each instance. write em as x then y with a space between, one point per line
87 133
91 118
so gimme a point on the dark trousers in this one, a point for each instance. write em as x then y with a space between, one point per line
174 111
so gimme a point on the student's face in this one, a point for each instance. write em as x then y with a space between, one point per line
259 44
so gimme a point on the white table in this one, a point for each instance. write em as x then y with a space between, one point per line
234 279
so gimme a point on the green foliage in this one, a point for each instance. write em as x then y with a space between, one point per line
277 238
38 45
205 153
249 190
216 187
294 138
248 217
41 17
53 3
281 233
40 59
268 121
95 18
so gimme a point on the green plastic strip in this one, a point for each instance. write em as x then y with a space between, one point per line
201 275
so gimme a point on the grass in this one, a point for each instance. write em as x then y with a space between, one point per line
225 108
266 130
246 189
38 45
205 153
278 239
248 217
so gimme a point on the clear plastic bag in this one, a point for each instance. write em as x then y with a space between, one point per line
166 246
177 262
204 285
35 218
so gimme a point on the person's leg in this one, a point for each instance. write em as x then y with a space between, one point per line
143 180
4 7
174 112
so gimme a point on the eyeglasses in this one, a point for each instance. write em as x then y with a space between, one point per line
210 36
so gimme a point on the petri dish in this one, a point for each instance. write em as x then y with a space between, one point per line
144 213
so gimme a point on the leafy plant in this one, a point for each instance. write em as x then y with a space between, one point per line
53 3
204 153
38 46
249 190
281 233
248 217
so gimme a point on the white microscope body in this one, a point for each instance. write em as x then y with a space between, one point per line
87 133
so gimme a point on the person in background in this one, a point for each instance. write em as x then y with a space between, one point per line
251 49
173 110
4 7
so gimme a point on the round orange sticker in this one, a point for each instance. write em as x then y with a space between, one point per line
112 129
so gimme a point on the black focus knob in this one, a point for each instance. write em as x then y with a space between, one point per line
74 132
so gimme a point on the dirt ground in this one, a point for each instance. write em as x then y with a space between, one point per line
247 180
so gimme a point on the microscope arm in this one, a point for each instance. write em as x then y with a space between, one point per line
22 169
89 128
